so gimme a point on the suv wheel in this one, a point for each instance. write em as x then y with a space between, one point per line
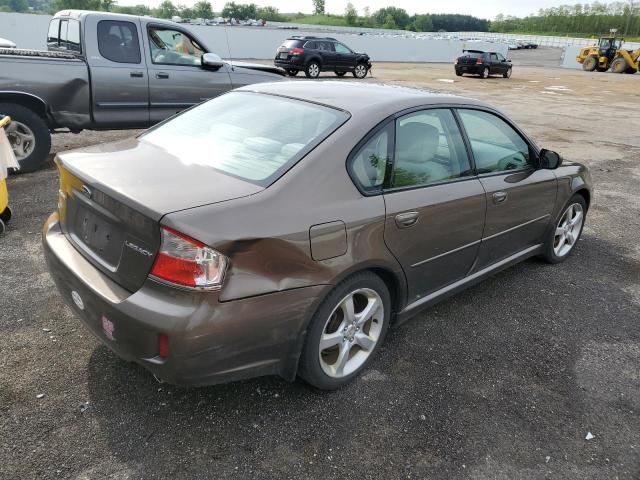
312 70
292 72
507 74
360 71
485 72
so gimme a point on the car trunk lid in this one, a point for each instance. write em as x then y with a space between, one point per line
112 198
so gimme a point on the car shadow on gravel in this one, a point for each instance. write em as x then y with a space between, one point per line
503 380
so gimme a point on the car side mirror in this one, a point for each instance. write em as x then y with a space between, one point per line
211 60
549 159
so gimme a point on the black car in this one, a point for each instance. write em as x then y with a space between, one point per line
481 63
313 55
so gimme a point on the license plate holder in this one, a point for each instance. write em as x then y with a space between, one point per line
284 55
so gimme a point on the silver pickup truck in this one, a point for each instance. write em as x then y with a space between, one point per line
104 71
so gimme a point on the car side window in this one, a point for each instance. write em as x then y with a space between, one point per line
494 58
53 36
172 47
340 48
118 41
369 164
496 146
311 46
501 58
428 149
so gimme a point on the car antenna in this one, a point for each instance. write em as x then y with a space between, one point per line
226 36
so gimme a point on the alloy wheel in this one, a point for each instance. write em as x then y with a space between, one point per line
568 229
361 71
21 138
314 70
351 333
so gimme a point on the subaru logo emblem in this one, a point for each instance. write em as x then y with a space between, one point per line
86 190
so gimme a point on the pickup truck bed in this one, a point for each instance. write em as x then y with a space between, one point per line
109 71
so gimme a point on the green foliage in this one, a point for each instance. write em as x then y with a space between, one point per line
399 17
203 9
318 7
350 14
270 13
421 23
133 10
240 11
581 20
333 20
166 10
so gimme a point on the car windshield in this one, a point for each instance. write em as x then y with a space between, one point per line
251 136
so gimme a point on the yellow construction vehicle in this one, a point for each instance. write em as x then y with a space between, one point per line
626 61
599 57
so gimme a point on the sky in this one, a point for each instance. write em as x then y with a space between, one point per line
483 9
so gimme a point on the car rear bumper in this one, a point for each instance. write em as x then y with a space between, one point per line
209 341
472 69
294 62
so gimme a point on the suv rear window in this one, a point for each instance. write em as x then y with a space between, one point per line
292 43
473 54
251 136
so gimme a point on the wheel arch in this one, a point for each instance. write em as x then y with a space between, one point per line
27 100
314 58
586 194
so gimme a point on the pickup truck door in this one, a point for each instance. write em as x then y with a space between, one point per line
177 79
119 83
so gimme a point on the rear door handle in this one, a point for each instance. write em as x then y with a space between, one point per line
406 219
499 197
162 75
136 74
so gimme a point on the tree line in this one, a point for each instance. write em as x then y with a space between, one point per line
580 19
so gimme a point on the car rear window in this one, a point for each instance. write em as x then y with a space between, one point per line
473 54
255 137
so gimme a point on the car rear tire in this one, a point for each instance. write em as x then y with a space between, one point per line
590 63
292 72
485 72
566 231
360 71
619 65
312 70
507 74
28 135
459 74
346 331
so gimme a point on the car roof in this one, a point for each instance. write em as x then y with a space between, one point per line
359 98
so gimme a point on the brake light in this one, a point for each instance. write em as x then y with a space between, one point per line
479 61
296 51
186 262
163 346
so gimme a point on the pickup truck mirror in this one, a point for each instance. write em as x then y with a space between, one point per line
211 60
549 159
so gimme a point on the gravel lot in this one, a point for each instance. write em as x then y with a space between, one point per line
503 381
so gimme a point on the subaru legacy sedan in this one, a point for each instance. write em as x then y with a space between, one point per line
281 228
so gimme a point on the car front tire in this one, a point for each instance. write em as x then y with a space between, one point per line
566 231
507 74
360 71
346 331
29 136
312 70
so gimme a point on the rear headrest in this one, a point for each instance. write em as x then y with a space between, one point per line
417 142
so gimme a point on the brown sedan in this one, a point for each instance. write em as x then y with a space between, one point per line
281 228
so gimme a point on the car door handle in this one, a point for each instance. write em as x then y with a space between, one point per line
136 74
406 219
499 197
162 75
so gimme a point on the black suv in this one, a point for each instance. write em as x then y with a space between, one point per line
313 55
484 64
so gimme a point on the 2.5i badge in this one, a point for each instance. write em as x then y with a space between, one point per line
108 328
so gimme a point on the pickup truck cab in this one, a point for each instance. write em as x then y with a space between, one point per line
104 71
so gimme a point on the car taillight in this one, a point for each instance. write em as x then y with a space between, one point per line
296 51
479 61
186 262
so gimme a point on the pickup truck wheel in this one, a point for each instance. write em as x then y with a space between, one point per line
28 135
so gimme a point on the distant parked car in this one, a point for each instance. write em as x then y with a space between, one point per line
313 55
4 43
477 62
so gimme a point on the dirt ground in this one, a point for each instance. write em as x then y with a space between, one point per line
503 381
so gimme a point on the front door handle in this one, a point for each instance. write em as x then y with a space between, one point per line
406 219
162 75
499 197
136 74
